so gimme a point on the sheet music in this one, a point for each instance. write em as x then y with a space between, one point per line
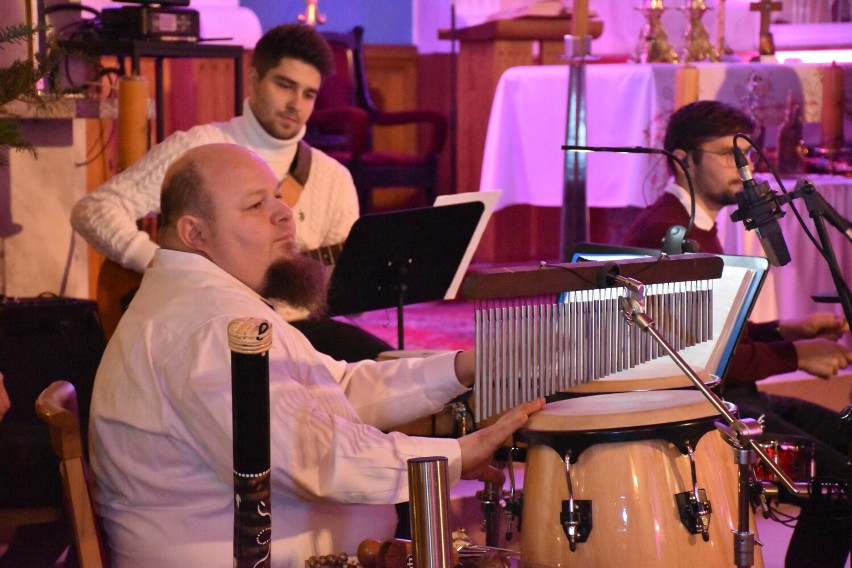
489 200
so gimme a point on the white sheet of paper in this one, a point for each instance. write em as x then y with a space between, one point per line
489 200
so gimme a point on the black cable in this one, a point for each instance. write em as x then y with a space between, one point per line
69 6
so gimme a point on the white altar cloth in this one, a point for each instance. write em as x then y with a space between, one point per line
627 105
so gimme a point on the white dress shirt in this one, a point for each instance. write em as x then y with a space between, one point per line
161 444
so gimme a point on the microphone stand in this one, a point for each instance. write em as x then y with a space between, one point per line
677 235
817 209
739 433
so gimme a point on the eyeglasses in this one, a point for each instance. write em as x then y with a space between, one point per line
751 155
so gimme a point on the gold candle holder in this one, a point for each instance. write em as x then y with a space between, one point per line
654 46
698 45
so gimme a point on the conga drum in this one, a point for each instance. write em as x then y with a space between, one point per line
631 476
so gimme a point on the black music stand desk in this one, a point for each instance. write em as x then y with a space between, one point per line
400 258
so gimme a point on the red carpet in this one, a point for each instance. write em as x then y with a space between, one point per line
432 325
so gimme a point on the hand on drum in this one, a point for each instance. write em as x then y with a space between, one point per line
477 449
820 324
822 357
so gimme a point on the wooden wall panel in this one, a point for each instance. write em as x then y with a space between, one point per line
392 78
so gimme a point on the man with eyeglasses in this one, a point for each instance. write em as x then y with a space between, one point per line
701 135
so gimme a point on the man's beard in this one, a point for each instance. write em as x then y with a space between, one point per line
300 282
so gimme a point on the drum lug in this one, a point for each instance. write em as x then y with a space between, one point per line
576 517
694 513
576 521
693 506
515 500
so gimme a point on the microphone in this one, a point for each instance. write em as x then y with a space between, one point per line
837 220
758 208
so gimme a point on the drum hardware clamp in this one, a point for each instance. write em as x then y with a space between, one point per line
514 502
693 505
493 501
576 516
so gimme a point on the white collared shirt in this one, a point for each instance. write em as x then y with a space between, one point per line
161 444
703 220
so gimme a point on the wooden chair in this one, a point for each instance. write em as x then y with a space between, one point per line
57 406
15 517
344 118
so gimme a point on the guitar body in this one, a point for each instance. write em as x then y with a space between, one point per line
116 285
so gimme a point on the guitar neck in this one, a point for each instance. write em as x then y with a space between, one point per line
326 255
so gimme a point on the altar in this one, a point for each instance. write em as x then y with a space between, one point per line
629 105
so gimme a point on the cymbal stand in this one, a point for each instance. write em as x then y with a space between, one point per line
739 433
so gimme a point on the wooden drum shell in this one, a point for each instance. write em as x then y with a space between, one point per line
632 484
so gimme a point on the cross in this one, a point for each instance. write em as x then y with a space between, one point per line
766 44
765 7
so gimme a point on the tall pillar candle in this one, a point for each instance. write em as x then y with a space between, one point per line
832 107
133 125
580 18
686 85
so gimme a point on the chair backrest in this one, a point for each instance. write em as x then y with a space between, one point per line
57 406
347 85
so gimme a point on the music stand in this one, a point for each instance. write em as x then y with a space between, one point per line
399 258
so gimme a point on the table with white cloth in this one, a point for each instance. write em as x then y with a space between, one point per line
629 105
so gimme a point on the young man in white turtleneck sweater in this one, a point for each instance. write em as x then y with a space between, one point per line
288 66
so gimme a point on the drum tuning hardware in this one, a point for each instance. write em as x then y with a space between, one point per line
693 505
514 502
460 417
576 517
514 506
757 496
489 498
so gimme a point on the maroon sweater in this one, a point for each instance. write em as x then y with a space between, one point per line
761 352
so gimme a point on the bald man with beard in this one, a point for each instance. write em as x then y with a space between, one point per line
161 432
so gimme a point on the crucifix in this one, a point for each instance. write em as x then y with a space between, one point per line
766 45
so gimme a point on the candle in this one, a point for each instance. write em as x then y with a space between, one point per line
132 120
832 107
686 85
580 18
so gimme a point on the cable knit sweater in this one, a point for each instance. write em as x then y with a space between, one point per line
106 218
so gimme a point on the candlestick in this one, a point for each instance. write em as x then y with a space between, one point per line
698 46
654 46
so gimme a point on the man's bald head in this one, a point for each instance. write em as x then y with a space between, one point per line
223 202
184 191
191 181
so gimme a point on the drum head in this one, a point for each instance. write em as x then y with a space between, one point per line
621 410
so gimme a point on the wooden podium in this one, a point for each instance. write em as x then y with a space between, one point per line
485 52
